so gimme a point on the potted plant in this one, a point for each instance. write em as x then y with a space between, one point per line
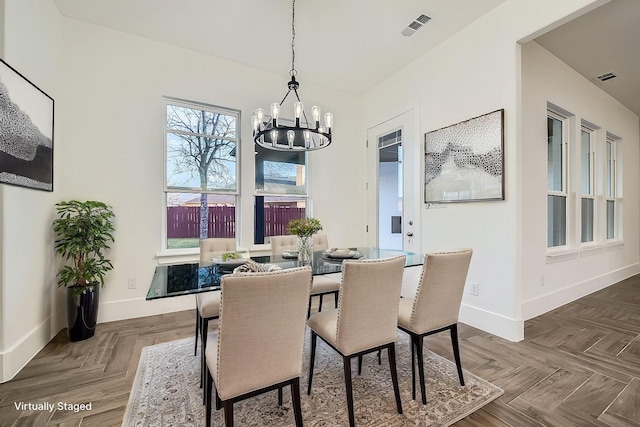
83 231
304 228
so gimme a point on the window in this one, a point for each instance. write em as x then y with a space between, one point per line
556 180
612 189
587 201
201 173
281 191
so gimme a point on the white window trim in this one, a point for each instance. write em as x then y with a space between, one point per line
554 251
589 247
617 240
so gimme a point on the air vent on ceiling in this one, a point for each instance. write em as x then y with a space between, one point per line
607 76
415 25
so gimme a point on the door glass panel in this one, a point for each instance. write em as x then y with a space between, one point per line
390 182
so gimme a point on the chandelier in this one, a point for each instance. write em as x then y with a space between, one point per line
270 133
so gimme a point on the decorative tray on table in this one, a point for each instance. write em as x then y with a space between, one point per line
292 254
340 254
230 262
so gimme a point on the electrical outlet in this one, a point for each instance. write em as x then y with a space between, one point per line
475 289
133 283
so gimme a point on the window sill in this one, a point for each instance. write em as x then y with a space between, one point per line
183 256
562 255
591 250
614 245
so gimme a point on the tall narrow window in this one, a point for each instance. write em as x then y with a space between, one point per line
611 189
281 191
587 200
556 181
201 173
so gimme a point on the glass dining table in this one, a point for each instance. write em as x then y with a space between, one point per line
184 279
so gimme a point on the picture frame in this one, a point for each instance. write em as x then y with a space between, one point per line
26 132
464 162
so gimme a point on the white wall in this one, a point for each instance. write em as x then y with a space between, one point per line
547 284
109 147
476 71
30 300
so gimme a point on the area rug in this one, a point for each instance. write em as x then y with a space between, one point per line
166 392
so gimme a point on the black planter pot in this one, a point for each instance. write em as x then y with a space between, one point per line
82 312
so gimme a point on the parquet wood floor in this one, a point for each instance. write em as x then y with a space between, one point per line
579 365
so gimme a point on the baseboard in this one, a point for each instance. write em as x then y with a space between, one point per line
19 354
494 323
539 305
140 307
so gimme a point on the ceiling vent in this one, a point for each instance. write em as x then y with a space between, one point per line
415 25
607 76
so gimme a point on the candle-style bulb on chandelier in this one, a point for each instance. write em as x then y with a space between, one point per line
269 133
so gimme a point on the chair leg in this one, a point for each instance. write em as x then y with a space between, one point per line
295 397
228 413
207 393
359 364
335 297
309 307
204 328
312 360
280 396
414 344
218 400
379 357
320 304
349 389
391 352
456 351
421 368
195 347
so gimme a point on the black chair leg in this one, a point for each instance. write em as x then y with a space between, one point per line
421 369
195 347
349 389
359 364
280 396
295 397
391 352
335 297
207 394
379 357
312 360
456 351
204 327
320 304
228 413
414 344
309 307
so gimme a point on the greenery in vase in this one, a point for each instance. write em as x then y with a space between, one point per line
83 232
304 227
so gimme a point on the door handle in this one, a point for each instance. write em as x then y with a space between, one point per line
409 234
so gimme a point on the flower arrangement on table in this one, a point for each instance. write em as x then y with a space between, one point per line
304 228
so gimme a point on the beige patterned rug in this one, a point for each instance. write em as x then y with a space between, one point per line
166 392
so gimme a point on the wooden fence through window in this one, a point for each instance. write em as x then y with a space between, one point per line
184 221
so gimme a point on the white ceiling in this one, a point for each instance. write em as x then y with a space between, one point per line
604 40
346 45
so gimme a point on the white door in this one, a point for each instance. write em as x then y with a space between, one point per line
394 184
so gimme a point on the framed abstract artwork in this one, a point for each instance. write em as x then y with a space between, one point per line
26 132
465 162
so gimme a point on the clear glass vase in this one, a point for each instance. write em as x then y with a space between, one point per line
305 249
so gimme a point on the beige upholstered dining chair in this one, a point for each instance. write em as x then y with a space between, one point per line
435 307
322 285
356 328
260 339
208 303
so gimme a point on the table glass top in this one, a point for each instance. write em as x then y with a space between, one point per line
183 279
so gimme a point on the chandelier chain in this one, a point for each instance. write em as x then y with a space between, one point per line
293 71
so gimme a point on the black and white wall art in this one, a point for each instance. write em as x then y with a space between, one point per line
465 162
26 132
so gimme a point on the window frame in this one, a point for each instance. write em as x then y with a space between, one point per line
564 192
612 189
167 190
592 185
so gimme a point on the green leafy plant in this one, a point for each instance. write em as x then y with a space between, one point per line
83 232
304 227
229 255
